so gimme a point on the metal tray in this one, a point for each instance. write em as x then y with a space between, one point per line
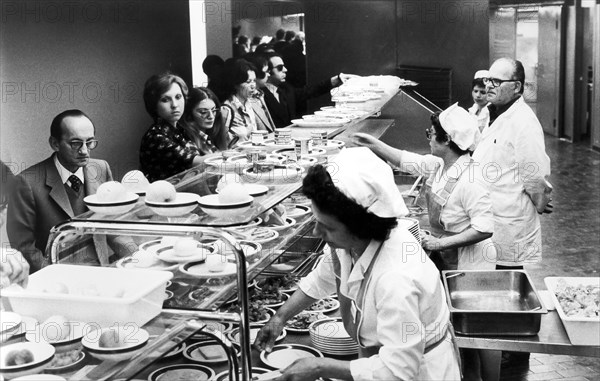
497 303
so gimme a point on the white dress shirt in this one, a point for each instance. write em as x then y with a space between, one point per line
65 173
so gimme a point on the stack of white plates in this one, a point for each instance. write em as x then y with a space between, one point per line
329 336
412 226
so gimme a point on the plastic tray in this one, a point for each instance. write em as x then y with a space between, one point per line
96 295
581 330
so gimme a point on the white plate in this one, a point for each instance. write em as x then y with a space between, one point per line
9 322
291 151
296 211
247 145
285 174
42 356
200 270
254 190
65 368
283 355
167 254
234 335
251 250
331 143
132 337
325 122
126 263
284 298
289 222
256 371
212 205
217 162
184 203
316 315
242 159
206 352
261 234
27 324
334 305
182 372
111 208
40 377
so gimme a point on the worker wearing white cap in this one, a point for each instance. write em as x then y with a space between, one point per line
391 298
479 93
459 206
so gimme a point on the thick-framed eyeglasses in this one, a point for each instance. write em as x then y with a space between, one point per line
429 133
495 82
76 145
205 113
279 67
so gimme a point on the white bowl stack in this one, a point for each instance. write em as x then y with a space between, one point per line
412 226
330 337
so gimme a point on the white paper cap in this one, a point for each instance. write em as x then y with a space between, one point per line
481 74
365 178
460 126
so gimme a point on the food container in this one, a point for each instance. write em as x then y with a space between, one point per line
581 330
496 302
96 295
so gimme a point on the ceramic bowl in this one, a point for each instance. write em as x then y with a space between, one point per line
111 208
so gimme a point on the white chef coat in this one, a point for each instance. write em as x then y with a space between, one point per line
404 310
469 205
483 118
511 160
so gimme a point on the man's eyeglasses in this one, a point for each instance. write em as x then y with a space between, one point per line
205 113
429 133
76 145
495 82
279 67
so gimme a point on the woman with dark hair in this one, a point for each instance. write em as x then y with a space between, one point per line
14 268
459 207
203 122
479 93
240 77
392 301
166 148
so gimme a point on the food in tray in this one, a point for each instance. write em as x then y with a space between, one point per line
261 234
55 328
110 339
56 288
135 181
267 297
286 282
303 320
67 358
233 193
578 301
161 191
143 259
19 357
185 247
111 191
323 305
257 312
216 263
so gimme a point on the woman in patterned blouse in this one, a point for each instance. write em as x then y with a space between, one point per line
166 148
203 122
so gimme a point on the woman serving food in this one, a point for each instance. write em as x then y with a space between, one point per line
391 298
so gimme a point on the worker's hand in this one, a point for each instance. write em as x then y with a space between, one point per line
431 243
265 339
13 268
302 369
364 140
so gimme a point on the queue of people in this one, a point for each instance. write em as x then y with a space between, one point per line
485 187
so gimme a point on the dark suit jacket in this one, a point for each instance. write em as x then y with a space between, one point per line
39 201
283 114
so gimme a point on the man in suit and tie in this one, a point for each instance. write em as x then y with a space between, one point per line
52 191
282 99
